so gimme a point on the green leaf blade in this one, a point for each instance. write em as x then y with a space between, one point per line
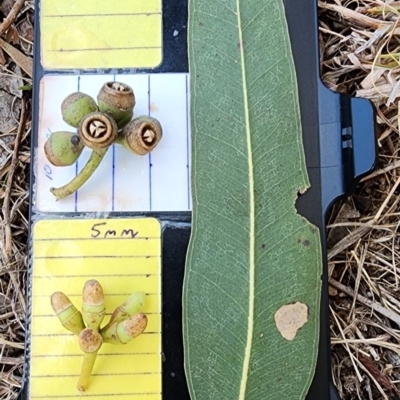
250 253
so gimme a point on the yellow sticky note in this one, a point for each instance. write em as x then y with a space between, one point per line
101 33
124 255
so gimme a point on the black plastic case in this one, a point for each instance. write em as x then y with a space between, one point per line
340 148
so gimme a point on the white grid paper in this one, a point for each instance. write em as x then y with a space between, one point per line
159 181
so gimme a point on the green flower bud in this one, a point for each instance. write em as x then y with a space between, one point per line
141 135
130 307
63 148
76 106
124 331
117 100
67 313
93 307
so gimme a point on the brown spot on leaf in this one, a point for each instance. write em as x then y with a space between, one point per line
290 318
306 243
263 246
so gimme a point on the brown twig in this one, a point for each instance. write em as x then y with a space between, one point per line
10 179
12 15
11 360
367 302
378 376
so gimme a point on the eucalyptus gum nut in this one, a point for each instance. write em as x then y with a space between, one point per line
76 106
120 117
125 120
63 148
141 135
98 130
117 100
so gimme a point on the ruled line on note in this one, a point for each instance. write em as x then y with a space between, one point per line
105 49
104 256
96 395
89 276
102 15
98 355
107 314
109 374
99 238
68 334
109 294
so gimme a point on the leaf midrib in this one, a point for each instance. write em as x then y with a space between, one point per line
250 323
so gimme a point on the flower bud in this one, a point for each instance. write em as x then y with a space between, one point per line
134 303
67 313
124 331
93 307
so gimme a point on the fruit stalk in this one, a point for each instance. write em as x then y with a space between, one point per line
80 179
90 342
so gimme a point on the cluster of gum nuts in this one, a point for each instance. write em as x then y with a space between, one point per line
126 323
99 126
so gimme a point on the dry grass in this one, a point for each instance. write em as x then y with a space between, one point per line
360 48
16 37
360 52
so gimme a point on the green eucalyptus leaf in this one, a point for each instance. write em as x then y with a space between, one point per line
252 283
